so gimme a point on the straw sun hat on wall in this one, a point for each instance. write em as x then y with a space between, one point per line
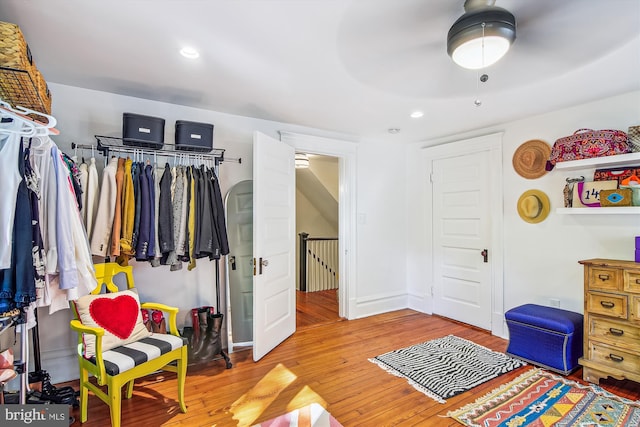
533 206
530 159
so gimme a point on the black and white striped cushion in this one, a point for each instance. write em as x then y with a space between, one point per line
128 356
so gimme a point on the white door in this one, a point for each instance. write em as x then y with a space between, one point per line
461 232
239 206
274 293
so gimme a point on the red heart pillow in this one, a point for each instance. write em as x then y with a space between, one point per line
116 315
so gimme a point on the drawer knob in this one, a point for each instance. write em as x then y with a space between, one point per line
615 357
616 332
637 281
603 277
607 304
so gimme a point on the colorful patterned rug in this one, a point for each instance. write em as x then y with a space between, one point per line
313 415
541 399
445 367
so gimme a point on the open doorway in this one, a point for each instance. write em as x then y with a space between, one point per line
317 228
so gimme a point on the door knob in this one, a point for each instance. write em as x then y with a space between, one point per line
232 261
262 263
485 254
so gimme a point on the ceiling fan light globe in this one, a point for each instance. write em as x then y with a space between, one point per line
470 54
495 25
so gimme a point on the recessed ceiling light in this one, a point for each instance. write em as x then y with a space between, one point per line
417 114
189 52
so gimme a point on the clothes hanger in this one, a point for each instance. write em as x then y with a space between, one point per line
20 113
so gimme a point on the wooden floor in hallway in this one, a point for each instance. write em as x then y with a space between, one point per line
316 308
327 364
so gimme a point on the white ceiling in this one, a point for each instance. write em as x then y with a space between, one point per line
356 67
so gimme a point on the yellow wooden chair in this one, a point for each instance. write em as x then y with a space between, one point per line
116 367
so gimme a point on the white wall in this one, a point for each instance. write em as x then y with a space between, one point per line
382 229
540 260
83 113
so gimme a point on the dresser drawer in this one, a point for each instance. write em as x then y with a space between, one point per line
604 278
614 357
613 305
634 308
632 281
615 333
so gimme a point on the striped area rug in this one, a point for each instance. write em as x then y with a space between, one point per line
445 367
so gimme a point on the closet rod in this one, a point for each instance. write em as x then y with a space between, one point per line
217 154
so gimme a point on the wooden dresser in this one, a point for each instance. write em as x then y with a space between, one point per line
611 320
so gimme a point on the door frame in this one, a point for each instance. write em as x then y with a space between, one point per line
346 152
493 144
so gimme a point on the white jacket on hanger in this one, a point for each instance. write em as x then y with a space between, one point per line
92 196
75 266
101 234
9 149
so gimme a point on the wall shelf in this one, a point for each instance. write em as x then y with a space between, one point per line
621 160
599 211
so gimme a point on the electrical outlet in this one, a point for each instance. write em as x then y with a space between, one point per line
554 302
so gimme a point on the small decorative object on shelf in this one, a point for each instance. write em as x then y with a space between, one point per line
634 137
619 197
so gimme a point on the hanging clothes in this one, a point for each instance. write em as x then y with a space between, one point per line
199 208
165 213
128 212
117 217
74 173
9 150
151 252
177 201
101 234
17 283
219 217
83 177
181 250
135 176
92 196
157 175
144 216
33 181
191 219
209 245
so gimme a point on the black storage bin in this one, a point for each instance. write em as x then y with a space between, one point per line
142 131
194 136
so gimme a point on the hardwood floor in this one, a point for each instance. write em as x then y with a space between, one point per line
316 308
327 364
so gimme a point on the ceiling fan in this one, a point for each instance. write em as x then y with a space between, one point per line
481 36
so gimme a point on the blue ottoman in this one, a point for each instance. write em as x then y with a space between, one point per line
545 336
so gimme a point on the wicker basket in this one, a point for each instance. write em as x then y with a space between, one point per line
43 91
14 51
21 83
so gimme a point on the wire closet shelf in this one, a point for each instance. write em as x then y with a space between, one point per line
110 144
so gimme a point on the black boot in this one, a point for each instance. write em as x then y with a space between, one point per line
212 338
205 327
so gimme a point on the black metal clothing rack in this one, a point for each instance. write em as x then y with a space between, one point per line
108 145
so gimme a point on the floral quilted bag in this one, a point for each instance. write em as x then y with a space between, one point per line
588 143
